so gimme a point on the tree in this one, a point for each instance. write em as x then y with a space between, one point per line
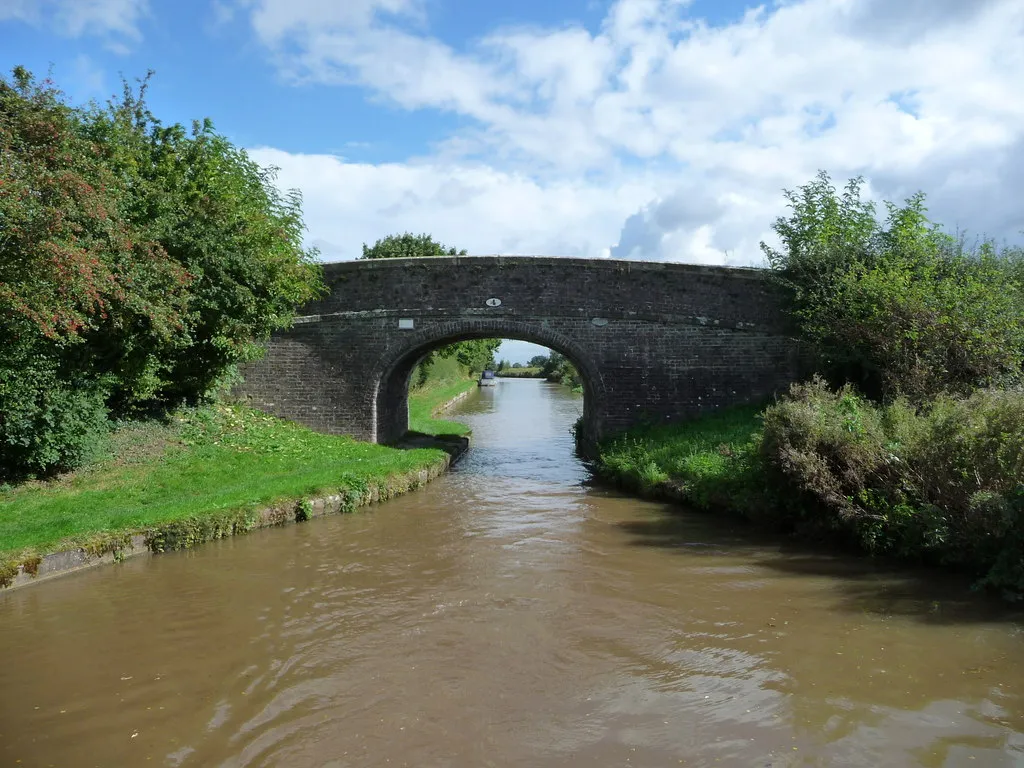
221 219
73 272
898 307
537 361
408 245
138 264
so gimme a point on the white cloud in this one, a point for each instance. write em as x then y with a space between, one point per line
115 20
469 206
660 136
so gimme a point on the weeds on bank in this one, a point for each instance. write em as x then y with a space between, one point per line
941 483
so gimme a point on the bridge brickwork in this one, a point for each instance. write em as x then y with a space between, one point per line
654 342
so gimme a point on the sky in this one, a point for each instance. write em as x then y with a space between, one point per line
631 129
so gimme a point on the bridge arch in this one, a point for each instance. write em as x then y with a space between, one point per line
393 369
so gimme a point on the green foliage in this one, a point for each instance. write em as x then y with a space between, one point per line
557 369
898 307
942 483
475 354
220 217
138 264
198 476
71 260
48 422
408 245
523 372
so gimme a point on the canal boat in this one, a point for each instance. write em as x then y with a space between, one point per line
487 379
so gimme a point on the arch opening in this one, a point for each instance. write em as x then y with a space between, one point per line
393 373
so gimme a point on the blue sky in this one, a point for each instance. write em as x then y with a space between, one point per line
650 129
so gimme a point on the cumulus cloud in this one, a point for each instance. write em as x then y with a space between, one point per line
117 21
475 207
661 136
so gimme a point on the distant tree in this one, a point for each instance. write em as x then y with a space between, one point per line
517 365
408 245
503 365
537 361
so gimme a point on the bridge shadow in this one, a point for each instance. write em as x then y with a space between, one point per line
862 585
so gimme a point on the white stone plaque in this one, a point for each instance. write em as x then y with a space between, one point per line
406 323
493 302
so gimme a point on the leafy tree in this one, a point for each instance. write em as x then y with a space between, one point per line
408 245
898 307
220 217
138 264
537 361
557 368
72 271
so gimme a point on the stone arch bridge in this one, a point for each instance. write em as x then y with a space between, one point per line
654 342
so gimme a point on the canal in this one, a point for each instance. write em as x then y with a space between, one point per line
510 613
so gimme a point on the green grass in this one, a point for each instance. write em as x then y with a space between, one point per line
519 373
424 402
203 462
446 381
705 460
208 465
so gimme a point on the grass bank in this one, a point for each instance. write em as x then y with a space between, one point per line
204 474
705 463
519 373
443 381
940 485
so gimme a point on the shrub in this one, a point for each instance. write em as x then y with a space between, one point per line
139 263
943 483
898 307
47 423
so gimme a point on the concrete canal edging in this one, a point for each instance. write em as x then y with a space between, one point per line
191 532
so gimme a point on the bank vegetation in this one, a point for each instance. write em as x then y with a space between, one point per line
140 264
908 442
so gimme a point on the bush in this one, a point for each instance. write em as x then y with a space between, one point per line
47 423
942 483
557 369
898 307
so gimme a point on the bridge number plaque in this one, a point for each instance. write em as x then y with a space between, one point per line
493 302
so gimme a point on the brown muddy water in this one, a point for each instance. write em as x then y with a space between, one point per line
509 614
